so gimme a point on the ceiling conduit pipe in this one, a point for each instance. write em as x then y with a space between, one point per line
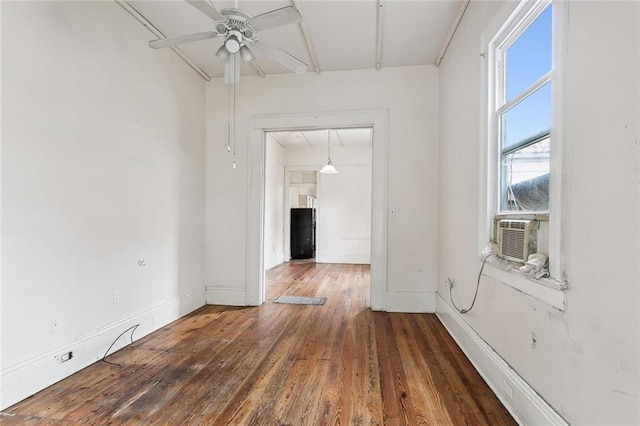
379 28
149 26
452 32
307 39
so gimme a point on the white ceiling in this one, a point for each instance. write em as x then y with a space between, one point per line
312 138
342 33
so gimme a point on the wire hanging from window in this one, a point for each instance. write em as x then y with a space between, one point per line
510 193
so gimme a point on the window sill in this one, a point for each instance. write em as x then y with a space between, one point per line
547 290
539 216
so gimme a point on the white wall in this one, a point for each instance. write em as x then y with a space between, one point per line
344 215
103 165
274 210
343 201
304 190
409 94
586 359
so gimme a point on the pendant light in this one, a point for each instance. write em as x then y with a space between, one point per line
329 168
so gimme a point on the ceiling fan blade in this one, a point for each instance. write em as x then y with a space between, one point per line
276 18
166 42
281 57
208 9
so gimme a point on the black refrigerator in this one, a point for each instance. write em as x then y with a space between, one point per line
303 233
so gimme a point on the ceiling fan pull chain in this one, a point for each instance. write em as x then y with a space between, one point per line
229 104
235 64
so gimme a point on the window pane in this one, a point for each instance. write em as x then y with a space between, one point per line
529 57
527 119
526 178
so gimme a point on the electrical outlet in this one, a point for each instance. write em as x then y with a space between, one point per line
64 357
55 325
116 297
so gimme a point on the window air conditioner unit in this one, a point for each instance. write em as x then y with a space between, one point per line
513 239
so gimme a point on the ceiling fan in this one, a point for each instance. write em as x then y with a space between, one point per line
240 37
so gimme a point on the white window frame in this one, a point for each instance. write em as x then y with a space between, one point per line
514 29
551 290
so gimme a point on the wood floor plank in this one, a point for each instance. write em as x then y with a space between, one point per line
263 372
427 404
397 402
279 364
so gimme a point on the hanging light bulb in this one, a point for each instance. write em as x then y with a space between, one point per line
329 167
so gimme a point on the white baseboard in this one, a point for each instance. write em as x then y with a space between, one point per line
26 377
524 403
226 296
411 302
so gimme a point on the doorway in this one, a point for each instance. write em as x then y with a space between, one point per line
376 120
300 195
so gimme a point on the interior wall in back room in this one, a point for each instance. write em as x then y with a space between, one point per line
585 360
103 166
274 209
409 94
343 200
344 215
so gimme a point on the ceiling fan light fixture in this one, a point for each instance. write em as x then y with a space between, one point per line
246 54
232 43
223 53
238 29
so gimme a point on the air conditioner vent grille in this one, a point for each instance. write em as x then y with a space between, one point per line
513 224
513 239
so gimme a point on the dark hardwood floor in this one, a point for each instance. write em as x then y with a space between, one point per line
280 364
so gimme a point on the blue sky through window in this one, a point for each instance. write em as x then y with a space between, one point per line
528 118
528 59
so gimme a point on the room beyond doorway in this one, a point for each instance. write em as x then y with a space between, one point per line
312 215
378 120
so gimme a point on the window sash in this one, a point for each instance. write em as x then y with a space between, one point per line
511 34
503 106
508 35
527 142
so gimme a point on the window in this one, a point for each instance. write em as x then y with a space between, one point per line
522 110
523 174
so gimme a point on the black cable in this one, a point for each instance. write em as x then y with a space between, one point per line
473 302
133 329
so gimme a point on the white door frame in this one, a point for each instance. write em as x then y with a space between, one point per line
376 119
